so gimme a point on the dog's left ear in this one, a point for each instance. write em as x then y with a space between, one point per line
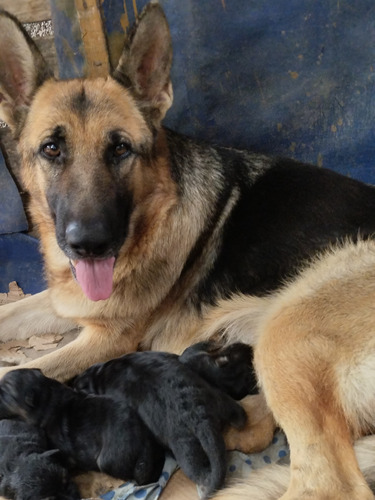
22 69
146 61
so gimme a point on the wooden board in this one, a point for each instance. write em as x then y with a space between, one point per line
93 37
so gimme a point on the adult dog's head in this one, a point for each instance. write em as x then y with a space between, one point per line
90 148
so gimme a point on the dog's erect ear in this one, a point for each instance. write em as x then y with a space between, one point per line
22 69
146 61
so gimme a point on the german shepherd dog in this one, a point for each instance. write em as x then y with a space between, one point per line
151 239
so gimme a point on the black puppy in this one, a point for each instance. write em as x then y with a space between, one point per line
29 469
93 432
182 410
229 368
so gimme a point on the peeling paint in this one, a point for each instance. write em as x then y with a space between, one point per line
293 74
135 8
124 19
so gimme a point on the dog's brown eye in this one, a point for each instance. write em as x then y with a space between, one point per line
122 150
51 150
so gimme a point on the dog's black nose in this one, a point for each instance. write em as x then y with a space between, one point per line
89 239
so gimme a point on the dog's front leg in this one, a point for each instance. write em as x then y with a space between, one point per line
95 343
33 315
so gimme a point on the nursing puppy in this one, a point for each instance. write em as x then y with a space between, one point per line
29 469
93 432
229 368
182 410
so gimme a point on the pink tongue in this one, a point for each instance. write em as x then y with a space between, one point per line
95 277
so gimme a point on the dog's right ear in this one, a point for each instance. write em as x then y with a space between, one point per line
22 70
146 61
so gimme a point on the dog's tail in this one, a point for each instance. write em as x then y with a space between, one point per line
271 482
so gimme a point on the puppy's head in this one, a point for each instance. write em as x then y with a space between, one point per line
227 367
21 392
43 476
205 349
88 381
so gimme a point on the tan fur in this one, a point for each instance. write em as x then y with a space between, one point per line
315 359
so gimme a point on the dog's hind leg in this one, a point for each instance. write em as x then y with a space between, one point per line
297 360
32 315
270 482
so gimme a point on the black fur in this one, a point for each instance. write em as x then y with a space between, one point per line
230 368
182 410
93 432
285 213
29 469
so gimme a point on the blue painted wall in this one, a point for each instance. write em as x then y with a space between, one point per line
292 78
289 78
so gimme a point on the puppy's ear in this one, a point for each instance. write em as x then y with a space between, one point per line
146 61
22 70
54 455
221 361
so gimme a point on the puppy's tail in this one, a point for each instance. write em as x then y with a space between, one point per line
213 445
271 482
212 442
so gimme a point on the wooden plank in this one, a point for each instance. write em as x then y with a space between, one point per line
28 11
94 41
